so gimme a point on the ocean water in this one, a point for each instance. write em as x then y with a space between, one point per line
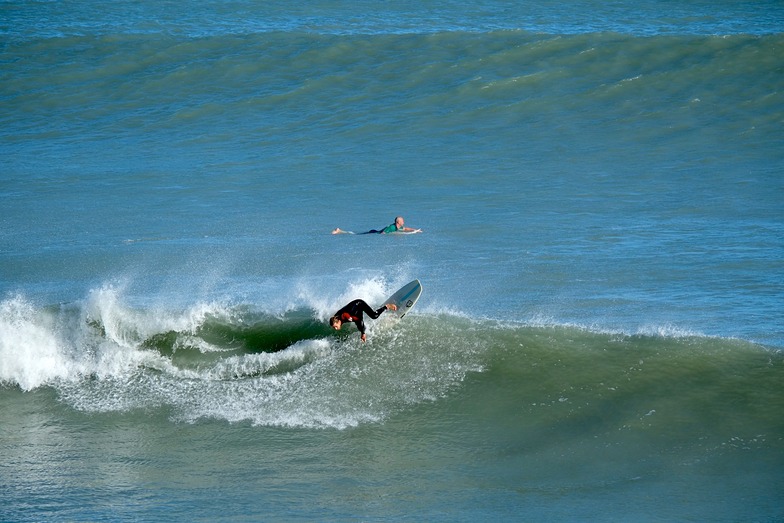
601 190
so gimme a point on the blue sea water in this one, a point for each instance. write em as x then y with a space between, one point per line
600 187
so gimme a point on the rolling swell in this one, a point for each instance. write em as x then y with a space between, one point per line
659 381
103 86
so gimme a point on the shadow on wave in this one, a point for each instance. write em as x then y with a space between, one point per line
222 337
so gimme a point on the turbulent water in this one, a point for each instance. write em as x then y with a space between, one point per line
600 334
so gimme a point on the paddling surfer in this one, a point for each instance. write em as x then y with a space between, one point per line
399 225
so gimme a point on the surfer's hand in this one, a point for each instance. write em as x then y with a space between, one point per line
363 337
392 306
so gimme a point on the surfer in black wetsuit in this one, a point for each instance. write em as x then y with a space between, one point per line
355 312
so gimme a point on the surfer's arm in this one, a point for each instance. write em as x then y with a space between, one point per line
373 314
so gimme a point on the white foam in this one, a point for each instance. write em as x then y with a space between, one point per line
248 365
127 326
95 354
652 330
31 353
100 337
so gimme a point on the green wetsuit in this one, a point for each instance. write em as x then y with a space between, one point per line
385 230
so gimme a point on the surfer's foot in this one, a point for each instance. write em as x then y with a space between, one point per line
392 307
337 231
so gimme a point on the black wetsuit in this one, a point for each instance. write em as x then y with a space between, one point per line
354 312
385 230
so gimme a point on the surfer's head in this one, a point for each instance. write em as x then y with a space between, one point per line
399 222
335 323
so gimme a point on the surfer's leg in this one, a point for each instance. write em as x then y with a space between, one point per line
370 312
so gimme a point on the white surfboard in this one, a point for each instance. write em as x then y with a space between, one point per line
405 298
